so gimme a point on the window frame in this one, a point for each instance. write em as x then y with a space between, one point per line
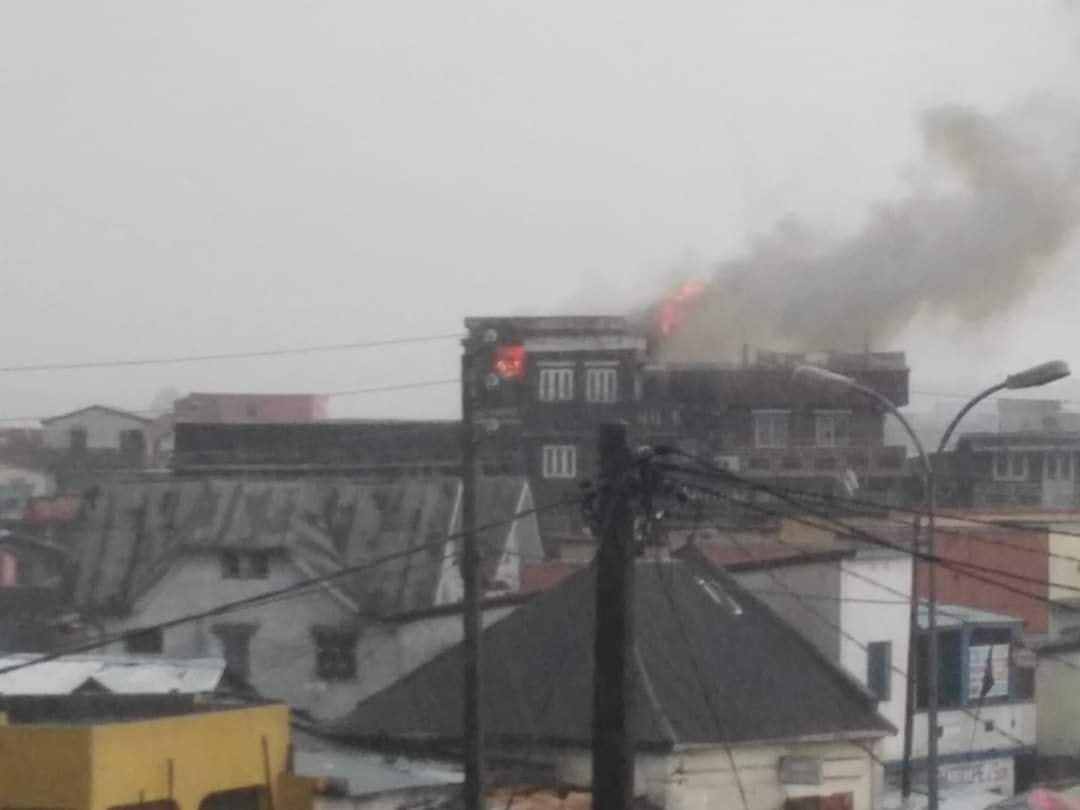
155 635
772 418
885 693
245 564
841 425
555 382
558 461
602 383
1006 463
83 435
240 635
335 644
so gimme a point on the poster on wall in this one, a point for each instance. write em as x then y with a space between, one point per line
988 681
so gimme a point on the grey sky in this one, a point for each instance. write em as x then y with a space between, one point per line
180 178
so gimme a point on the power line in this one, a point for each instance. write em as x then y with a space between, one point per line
857 534
202 358
750 484
859 643
699 676
352 392
282 592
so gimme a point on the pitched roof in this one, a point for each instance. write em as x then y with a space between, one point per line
132 532
117 674
695 627
106 408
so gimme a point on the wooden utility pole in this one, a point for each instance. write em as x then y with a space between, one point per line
470 575
613 745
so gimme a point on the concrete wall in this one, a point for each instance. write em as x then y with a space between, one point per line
102 427
205 753
185 758
875 609
703 778
1057 692
283 646
1008 726
45 766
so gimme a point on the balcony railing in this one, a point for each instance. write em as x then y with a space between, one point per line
1007 493
803 461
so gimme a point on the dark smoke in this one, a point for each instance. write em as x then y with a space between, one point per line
970 251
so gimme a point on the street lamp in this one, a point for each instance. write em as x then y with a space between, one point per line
1033 377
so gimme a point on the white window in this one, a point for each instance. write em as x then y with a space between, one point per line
560 461
600 384
557 384
1010 467
830 428
770 428
1059 465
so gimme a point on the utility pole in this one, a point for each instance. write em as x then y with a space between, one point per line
613 745
470 574
932 796
911 682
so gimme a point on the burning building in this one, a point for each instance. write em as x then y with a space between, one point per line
567 375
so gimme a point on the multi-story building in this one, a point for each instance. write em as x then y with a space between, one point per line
578 373
1030 462
755 420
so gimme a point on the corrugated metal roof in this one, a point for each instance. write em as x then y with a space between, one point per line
133 531
367 771
949 615
119 675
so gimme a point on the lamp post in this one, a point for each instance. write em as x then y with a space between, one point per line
1033 377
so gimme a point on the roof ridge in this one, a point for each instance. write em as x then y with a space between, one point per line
836 670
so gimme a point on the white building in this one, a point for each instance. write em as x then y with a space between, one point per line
853 604
96 428
151 552
731 707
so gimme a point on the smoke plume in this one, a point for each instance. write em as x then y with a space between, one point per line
970 249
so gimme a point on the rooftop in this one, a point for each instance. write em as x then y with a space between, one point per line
88 408
950 615
133 531
714 665
97 709
126 675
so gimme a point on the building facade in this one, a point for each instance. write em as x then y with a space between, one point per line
152 551
853 605
97 429
709 730
159 751
577 373
757 421
1032 461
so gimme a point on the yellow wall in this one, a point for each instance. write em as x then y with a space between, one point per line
101 766
45 766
